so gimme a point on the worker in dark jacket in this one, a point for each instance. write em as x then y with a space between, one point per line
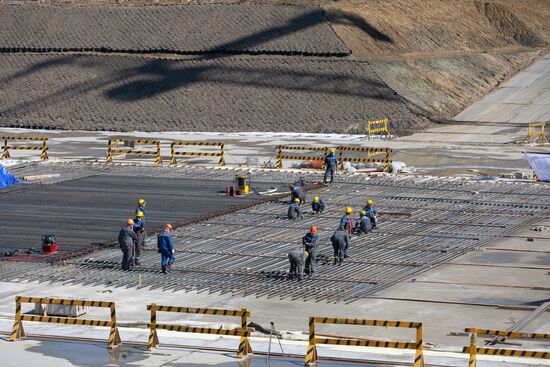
141 206
139 230
340 244
310 241
346 222
165 244
370 209
318 205
363 225
297 259
127 241
331 165
297 192
294 211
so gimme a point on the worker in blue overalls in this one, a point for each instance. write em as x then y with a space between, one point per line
165 244
370 210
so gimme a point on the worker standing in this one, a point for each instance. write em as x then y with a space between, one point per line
297 192
318 205
370 209
310 241
141 206
346 222
364 224
294 211
139 230
340 244
165 244
297 259
127 241
331 165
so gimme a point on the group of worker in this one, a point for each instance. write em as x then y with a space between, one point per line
303 260
132 237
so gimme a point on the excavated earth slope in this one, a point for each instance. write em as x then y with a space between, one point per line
215 94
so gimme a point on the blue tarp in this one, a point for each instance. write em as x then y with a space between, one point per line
6 178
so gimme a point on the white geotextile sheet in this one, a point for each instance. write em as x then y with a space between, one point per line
540 163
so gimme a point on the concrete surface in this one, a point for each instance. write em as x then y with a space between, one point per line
523 98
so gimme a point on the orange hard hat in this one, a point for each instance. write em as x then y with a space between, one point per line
169 226
313 229
130 222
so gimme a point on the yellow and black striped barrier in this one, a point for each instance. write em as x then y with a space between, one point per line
281 156
535 133
312 356
43 147
244 344
113 148
373 155
474 350
378 127
174 153
18 332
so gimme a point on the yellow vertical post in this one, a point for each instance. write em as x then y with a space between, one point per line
244 345
6 152
17 331
340 157
311 356
44 155
158 160
114 336
419 356
153 337
279 162
222 157
473 348
387 160
173 154
109 153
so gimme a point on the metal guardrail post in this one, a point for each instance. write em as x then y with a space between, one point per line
153 337
244 345
473 350
311 356
279 162
419 355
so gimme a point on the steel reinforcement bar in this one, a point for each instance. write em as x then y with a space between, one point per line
43 148
474 350
174 153
312 357
18 332
244 345
112 149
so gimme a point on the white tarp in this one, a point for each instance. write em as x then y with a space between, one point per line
540 163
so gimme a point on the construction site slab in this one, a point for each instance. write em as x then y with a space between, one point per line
189 29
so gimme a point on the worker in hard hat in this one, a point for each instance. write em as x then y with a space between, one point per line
127 241
346 222
340 244
331 165
318 205
297 259
297 192
294 211
139 230
370 209
363 224
141 206
165 244
310 241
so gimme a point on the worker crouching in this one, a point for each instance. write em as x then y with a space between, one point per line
363 225
297 259
340 244
318 205
294 211
165 244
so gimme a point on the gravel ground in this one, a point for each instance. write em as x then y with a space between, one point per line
204 94
189 29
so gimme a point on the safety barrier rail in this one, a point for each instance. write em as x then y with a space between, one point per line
312 356
112 148
18 332
7 147
378 127
243 332
535 133
174 153
474 350
281 156
371 152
